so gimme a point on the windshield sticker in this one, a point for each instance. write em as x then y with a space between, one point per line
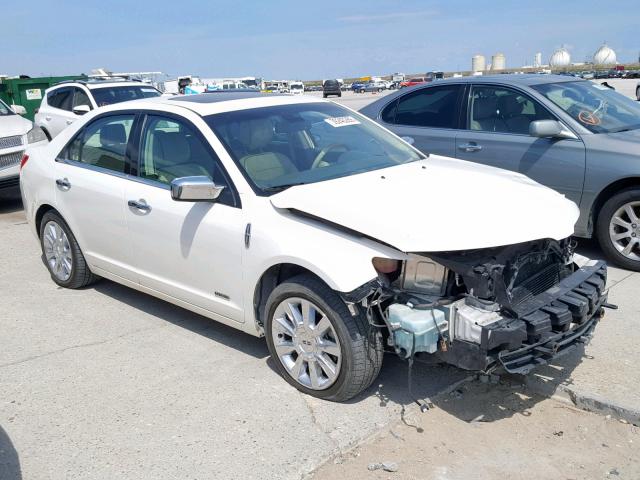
148 90
341 121
588 118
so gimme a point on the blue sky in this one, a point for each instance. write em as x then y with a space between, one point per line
302 39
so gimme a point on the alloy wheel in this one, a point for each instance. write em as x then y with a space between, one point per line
57 251
624 230
306 343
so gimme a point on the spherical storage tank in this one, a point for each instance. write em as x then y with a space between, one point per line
560 58
478 63
498 62
604 56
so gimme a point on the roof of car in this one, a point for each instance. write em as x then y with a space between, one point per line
221 96
91 84
521 79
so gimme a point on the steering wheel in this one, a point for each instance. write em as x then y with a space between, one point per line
323 153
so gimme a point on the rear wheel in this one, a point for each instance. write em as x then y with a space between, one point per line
317 345
618 228
61 253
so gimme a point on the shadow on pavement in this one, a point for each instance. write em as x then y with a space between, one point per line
228 336
9 461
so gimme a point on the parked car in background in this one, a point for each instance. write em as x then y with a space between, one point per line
16 134
371 87
575 136
296 88
638 92
65 102
299 220
412 82
331 87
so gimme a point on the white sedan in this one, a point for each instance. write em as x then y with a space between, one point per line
302 221
16 133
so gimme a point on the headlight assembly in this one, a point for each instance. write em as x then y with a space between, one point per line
35 135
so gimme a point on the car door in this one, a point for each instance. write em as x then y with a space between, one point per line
427 117
58 115
190 251
497 134
91 173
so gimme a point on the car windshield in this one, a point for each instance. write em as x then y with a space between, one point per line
109 95
596 107
280 146
296 87
4 109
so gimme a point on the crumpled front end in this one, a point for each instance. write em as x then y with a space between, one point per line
514 307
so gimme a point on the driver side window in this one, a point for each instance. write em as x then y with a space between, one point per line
171 149
503 110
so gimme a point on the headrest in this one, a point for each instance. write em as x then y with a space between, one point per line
254 134
484 107
112 134
509 105
174 148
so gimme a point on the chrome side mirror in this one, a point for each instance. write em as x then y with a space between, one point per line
195 189
549 129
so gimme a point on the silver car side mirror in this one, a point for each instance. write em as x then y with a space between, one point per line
195 189
549 129
19 109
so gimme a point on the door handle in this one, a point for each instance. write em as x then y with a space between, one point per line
63 183
47 118
69 122
470 147
139 205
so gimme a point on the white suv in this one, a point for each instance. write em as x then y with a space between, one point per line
65 102
302 221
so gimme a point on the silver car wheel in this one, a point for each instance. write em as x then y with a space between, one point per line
57 251
624 230
306 343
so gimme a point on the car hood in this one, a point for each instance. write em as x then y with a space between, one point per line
11 125
437 204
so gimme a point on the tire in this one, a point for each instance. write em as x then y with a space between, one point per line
359 344
638 94
604 229
79 273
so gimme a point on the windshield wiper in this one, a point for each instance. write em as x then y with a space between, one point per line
284 186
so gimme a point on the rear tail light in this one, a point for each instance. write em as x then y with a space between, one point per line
23 162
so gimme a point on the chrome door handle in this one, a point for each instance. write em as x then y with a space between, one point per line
63 183
470 147
139 205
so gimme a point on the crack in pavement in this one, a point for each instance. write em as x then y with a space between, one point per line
622 280
82 345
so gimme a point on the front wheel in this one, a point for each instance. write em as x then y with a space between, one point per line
618 229
317 345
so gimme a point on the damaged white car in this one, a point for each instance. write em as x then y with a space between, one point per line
302 221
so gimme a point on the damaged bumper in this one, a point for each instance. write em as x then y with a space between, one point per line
543 328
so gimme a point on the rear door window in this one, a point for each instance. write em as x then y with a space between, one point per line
435 107
103 143
61 98
80 97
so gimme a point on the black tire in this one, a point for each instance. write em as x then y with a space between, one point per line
81 275
324 96
361 344
602 227
638 94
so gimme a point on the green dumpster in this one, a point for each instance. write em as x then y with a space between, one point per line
28 92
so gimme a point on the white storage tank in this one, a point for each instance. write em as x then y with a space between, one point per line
560 58
604 56
478 63
498 62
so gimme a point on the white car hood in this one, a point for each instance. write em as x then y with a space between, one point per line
437 204
11 125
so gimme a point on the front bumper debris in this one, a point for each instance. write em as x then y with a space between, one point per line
559 319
